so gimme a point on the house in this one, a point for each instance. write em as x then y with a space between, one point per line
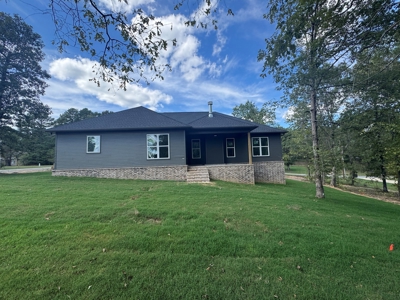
139 143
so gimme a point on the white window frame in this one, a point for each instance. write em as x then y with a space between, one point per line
230 147
259 146
196 148
157 146
97 144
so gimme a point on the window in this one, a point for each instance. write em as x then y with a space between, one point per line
93 144
196 149
158 146
260 146
230 148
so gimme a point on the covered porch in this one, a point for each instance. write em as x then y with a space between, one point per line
218 147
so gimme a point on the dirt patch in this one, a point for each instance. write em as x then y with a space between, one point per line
377 194
298 178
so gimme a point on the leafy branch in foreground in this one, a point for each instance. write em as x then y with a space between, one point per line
131 41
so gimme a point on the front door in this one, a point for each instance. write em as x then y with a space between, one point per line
196 153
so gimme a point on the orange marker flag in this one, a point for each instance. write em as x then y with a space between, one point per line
391 247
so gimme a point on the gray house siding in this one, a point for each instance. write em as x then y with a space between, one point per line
117 150
275 148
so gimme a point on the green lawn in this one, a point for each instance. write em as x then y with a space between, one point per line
88 238
297 169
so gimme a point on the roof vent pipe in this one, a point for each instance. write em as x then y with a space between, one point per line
210 114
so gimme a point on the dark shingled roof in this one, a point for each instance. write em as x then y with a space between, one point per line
138 118
141 118
201 120
267 129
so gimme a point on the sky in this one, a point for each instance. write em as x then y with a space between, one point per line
207 65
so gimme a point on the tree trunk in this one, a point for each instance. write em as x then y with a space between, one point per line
383 174
384 185
333 177
353 176
313 66
319 187
398 183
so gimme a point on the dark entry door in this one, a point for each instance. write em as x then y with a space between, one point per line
196 151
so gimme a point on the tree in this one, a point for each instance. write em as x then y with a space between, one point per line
315 43
73 115
22 79
297 143
249 111
37 145
392 153
10 145
374 111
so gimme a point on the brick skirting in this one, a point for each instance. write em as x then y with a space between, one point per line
270 171
177 173
240 173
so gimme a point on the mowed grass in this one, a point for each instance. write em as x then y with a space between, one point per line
297 169
88 238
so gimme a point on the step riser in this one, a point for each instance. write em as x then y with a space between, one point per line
197 175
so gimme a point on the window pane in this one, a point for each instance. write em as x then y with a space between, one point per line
151 140
93 144
231 152
195 144
152 152
230 143
264 141
196 153
264 151
163 139
256 142
163 152
256 151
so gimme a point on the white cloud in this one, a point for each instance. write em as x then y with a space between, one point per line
214 70
288 114
79 71
184 58
121 6
221 41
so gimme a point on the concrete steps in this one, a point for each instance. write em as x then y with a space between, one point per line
197 175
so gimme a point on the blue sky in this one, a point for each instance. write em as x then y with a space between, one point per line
208 65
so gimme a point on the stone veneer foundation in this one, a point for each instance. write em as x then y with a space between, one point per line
176 173
272 172
240 173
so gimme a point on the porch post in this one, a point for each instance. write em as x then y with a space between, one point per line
249 148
